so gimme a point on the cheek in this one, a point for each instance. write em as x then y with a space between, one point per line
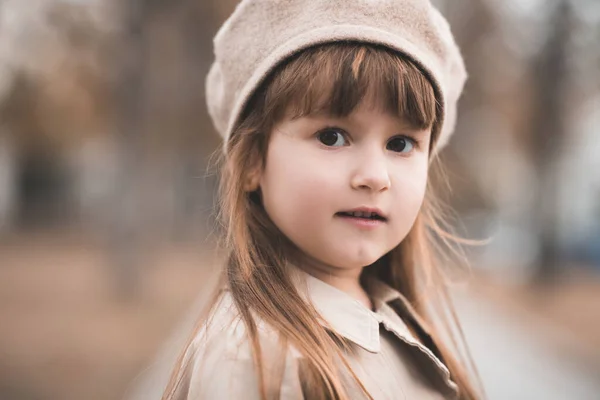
296 191
408 191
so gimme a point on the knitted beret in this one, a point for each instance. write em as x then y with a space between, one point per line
260 34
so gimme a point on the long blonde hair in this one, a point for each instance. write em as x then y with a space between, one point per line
333 78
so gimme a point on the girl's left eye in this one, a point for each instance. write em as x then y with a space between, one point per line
401 144
332 137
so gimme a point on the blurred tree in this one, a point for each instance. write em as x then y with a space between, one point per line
125 225
548 135
52 96
162 126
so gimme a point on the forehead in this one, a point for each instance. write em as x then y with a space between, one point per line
336 81
364 114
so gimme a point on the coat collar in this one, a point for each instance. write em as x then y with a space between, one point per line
350 318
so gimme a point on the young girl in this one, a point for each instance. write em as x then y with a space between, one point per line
332 113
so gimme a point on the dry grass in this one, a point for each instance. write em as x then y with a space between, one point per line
65 334
566 310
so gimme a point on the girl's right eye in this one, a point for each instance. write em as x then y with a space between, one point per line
332 137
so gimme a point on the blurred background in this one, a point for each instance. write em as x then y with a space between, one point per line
107 192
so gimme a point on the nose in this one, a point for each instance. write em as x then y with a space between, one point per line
371 172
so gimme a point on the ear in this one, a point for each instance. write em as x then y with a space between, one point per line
254 167
252 180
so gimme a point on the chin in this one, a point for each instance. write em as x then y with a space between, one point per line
351 261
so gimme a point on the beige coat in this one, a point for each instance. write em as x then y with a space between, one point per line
385 355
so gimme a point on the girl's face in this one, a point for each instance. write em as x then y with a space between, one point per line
319 166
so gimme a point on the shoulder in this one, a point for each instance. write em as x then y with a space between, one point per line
225 332
220 362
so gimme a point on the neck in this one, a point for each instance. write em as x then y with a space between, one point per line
346 280
348 284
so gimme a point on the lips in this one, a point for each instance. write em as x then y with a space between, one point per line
368 213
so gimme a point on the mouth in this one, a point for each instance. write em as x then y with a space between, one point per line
367 214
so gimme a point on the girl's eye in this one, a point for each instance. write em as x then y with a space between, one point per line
401 144
332 137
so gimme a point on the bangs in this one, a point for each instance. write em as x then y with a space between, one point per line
334 79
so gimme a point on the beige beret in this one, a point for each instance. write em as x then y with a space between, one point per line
260 34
